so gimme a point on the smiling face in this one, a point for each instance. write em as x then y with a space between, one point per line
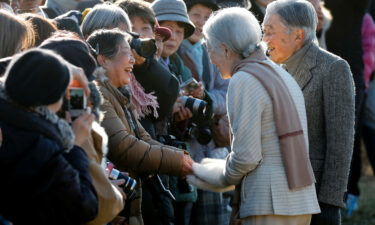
120 67
281 42
198 14
171 46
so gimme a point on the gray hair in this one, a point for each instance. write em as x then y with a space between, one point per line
296 14
235 27
104 16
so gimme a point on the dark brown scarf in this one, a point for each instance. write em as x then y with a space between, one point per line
288 125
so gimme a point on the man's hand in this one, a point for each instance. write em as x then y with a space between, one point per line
183 114
180 111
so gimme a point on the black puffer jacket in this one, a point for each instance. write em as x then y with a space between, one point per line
40 183
154 77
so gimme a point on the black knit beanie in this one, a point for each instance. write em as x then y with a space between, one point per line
76 52
37 77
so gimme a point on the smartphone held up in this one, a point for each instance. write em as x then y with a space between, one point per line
76 100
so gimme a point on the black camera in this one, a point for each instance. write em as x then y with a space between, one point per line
202 133
182 185
128 186
144 47
171 141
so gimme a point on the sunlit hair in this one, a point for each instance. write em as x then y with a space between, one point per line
104 16
107 42
16 34
43 28
138 8
235 27
295 14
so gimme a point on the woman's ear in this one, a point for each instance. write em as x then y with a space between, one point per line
225 49
102 60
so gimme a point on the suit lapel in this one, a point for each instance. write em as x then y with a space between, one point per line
304 74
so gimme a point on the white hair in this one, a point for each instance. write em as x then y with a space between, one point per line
295 14
235 27
104 16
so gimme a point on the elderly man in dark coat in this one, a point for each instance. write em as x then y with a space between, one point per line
327 84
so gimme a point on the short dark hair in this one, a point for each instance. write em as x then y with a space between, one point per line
212 4
107 42
138 8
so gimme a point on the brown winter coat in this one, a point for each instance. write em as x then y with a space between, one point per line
110 200
127 152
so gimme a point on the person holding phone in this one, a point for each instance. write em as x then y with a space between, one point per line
43 165
77 52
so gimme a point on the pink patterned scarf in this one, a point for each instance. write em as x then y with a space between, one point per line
144 103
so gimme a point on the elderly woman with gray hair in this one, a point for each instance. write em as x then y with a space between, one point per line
269 160
105 16
327 85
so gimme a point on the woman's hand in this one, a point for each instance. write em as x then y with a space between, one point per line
79 75
117 184
187 166
139 60
198 92
159 46
82 127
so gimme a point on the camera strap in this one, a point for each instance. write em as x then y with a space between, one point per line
132 122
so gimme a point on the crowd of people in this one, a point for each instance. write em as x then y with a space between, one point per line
184 112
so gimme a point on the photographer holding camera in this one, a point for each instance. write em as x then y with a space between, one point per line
191 115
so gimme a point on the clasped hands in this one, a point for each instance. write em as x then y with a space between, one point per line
207 175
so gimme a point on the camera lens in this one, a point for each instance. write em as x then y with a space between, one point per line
128 186
196 106
202 134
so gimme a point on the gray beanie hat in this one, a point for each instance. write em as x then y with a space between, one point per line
173 10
